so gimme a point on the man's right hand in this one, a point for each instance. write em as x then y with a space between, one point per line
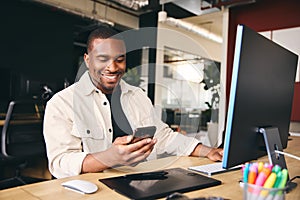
122 152
131 153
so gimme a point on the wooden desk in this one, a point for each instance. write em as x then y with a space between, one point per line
21 122
229 188
22 119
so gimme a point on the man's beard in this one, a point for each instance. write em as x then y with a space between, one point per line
107 87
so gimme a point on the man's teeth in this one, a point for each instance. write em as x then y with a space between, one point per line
110 76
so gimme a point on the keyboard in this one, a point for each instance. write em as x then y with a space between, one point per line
214 168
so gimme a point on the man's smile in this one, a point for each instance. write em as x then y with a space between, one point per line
111 76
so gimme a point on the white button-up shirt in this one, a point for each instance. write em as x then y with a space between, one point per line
78 121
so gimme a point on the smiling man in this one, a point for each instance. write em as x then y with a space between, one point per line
88 126
106 60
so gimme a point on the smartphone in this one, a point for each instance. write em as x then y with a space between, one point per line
143 132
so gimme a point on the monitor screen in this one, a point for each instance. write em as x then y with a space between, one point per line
261 96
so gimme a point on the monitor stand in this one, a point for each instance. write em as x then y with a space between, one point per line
273 142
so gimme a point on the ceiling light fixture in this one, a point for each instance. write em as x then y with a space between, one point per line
163 18
79 12
133 4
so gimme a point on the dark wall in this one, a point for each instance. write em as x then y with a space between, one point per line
41 44
36 43
264 15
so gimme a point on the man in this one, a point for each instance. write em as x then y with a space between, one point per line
87 126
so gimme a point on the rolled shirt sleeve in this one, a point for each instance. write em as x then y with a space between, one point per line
64 150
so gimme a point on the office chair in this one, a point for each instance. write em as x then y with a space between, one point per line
22 139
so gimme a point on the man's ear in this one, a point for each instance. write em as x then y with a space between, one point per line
86 59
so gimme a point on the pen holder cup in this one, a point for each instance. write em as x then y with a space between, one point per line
255 192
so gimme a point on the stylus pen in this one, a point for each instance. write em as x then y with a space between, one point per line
148 175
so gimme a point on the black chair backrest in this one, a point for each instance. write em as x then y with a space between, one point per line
22 132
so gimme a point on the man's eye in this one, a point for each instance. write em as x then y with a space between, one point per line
103 59
120 59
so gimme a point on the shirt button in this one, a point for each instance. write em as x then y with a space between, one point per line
105 103
110 130
88 131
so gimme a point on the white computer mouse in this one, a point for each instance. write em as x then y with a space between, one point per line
80 186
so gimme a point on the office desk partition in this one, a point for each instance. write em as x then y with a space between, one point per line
229 189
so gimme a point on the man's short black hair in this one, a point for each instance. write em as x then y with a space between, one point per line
101 32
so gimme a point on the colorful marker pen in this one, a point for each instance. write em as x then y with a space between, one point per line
262 176
246 172
269 183
283 179
278 179
276 169
260 166
252 174
270 166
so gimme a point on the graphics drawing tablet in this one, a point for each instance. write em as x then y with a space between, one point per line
159 184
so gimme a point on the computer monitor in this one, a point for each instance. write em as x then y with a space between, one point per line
260 99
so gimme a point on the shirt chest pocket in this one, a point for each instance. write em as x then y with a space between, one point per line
95 132
92 139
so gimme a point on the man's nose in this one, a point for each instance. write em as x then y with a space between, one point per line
113 66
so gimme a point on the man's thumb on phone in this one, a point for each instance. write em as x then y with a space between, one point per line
123 140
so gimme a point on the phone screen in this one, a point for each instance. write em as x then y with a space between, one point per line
143 132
